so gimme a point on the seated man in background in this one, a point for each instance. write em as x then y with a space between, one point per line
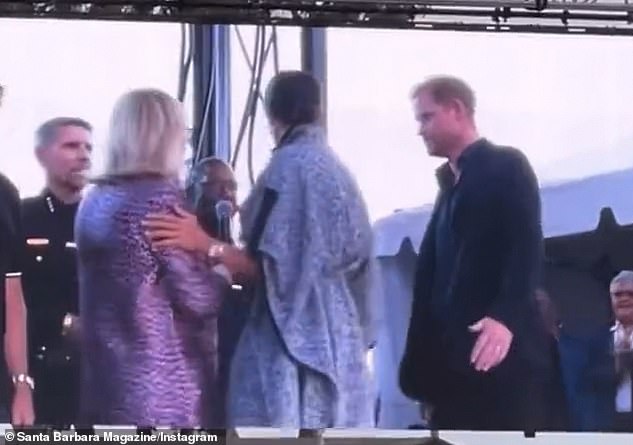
621 290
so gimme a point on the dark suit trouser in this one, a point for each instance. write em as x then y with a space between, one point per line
623 422
231 321
518 404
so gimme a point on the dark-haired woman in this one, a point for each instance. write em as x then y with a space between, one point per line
301 358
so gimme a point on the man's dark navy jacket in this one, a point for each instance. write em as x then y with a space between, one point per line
481 256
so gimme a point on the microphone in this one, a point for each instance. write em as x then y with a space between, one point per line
223 212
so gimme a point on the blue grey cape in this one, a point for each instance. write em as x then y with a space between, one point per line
301 359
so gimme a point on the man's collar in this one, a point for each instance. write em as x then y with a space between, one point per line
47 193
618 326
56 202
446 176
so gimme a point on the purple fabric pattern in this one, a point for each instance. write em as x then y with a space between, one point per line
149 329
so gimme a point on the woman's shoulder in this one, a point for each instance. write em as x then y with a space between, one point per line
154 193
119 207
301 158
140 185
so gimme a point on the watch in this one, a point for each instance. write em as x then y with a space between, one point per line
216 250
68 322
23 379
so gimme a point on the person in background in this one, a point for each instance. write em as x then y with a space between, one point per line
212 181
300 361
477 350
585 341
148 351
621 291
63 147
16 403
556 406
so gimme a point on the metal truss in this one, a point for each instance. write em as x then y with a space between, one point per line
547 16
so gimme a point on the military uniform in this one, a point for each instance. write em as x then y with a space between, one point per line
51 291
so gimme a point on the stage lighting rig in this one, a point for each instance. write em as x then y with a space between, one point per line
550 16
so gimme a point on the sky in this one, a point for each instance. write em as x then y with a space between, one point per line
564 100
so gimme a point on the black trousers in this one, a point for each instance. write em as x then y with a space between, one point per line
623 422
5 416
56 397
518 404
231 321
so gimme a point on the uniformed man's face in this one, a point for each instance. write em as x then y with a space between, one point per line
622 302
220 184
67 159
440 125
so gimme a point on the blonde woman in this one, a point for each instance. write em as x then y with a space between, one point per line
149 315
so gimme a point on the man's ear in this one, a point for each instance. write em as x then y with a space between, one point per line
458 107
41 155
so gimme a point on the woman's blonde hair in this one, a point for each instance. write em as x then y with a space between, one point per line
146 135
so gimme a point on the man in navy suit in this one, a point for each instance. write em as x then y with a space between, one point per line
477 349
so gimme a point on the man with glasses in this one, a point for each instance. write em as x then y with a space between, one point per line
212 181
621 290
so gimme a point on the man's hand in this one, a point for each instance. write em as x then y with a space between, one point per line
492 345
22 413
180 230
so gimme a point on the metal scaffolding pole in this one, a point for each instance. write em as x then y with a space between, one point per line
212 90
314 59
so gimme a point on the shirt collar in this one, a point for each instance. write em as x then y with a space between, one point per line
53 202
445 175
620 327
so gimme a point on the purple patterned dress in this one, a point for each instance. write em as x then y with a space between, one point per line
148 317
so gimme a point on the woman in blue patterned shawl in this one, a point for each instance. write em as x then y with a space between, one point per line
301 359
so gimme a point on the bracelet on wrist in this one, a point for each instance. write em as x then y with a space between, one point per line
68 322
23 379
